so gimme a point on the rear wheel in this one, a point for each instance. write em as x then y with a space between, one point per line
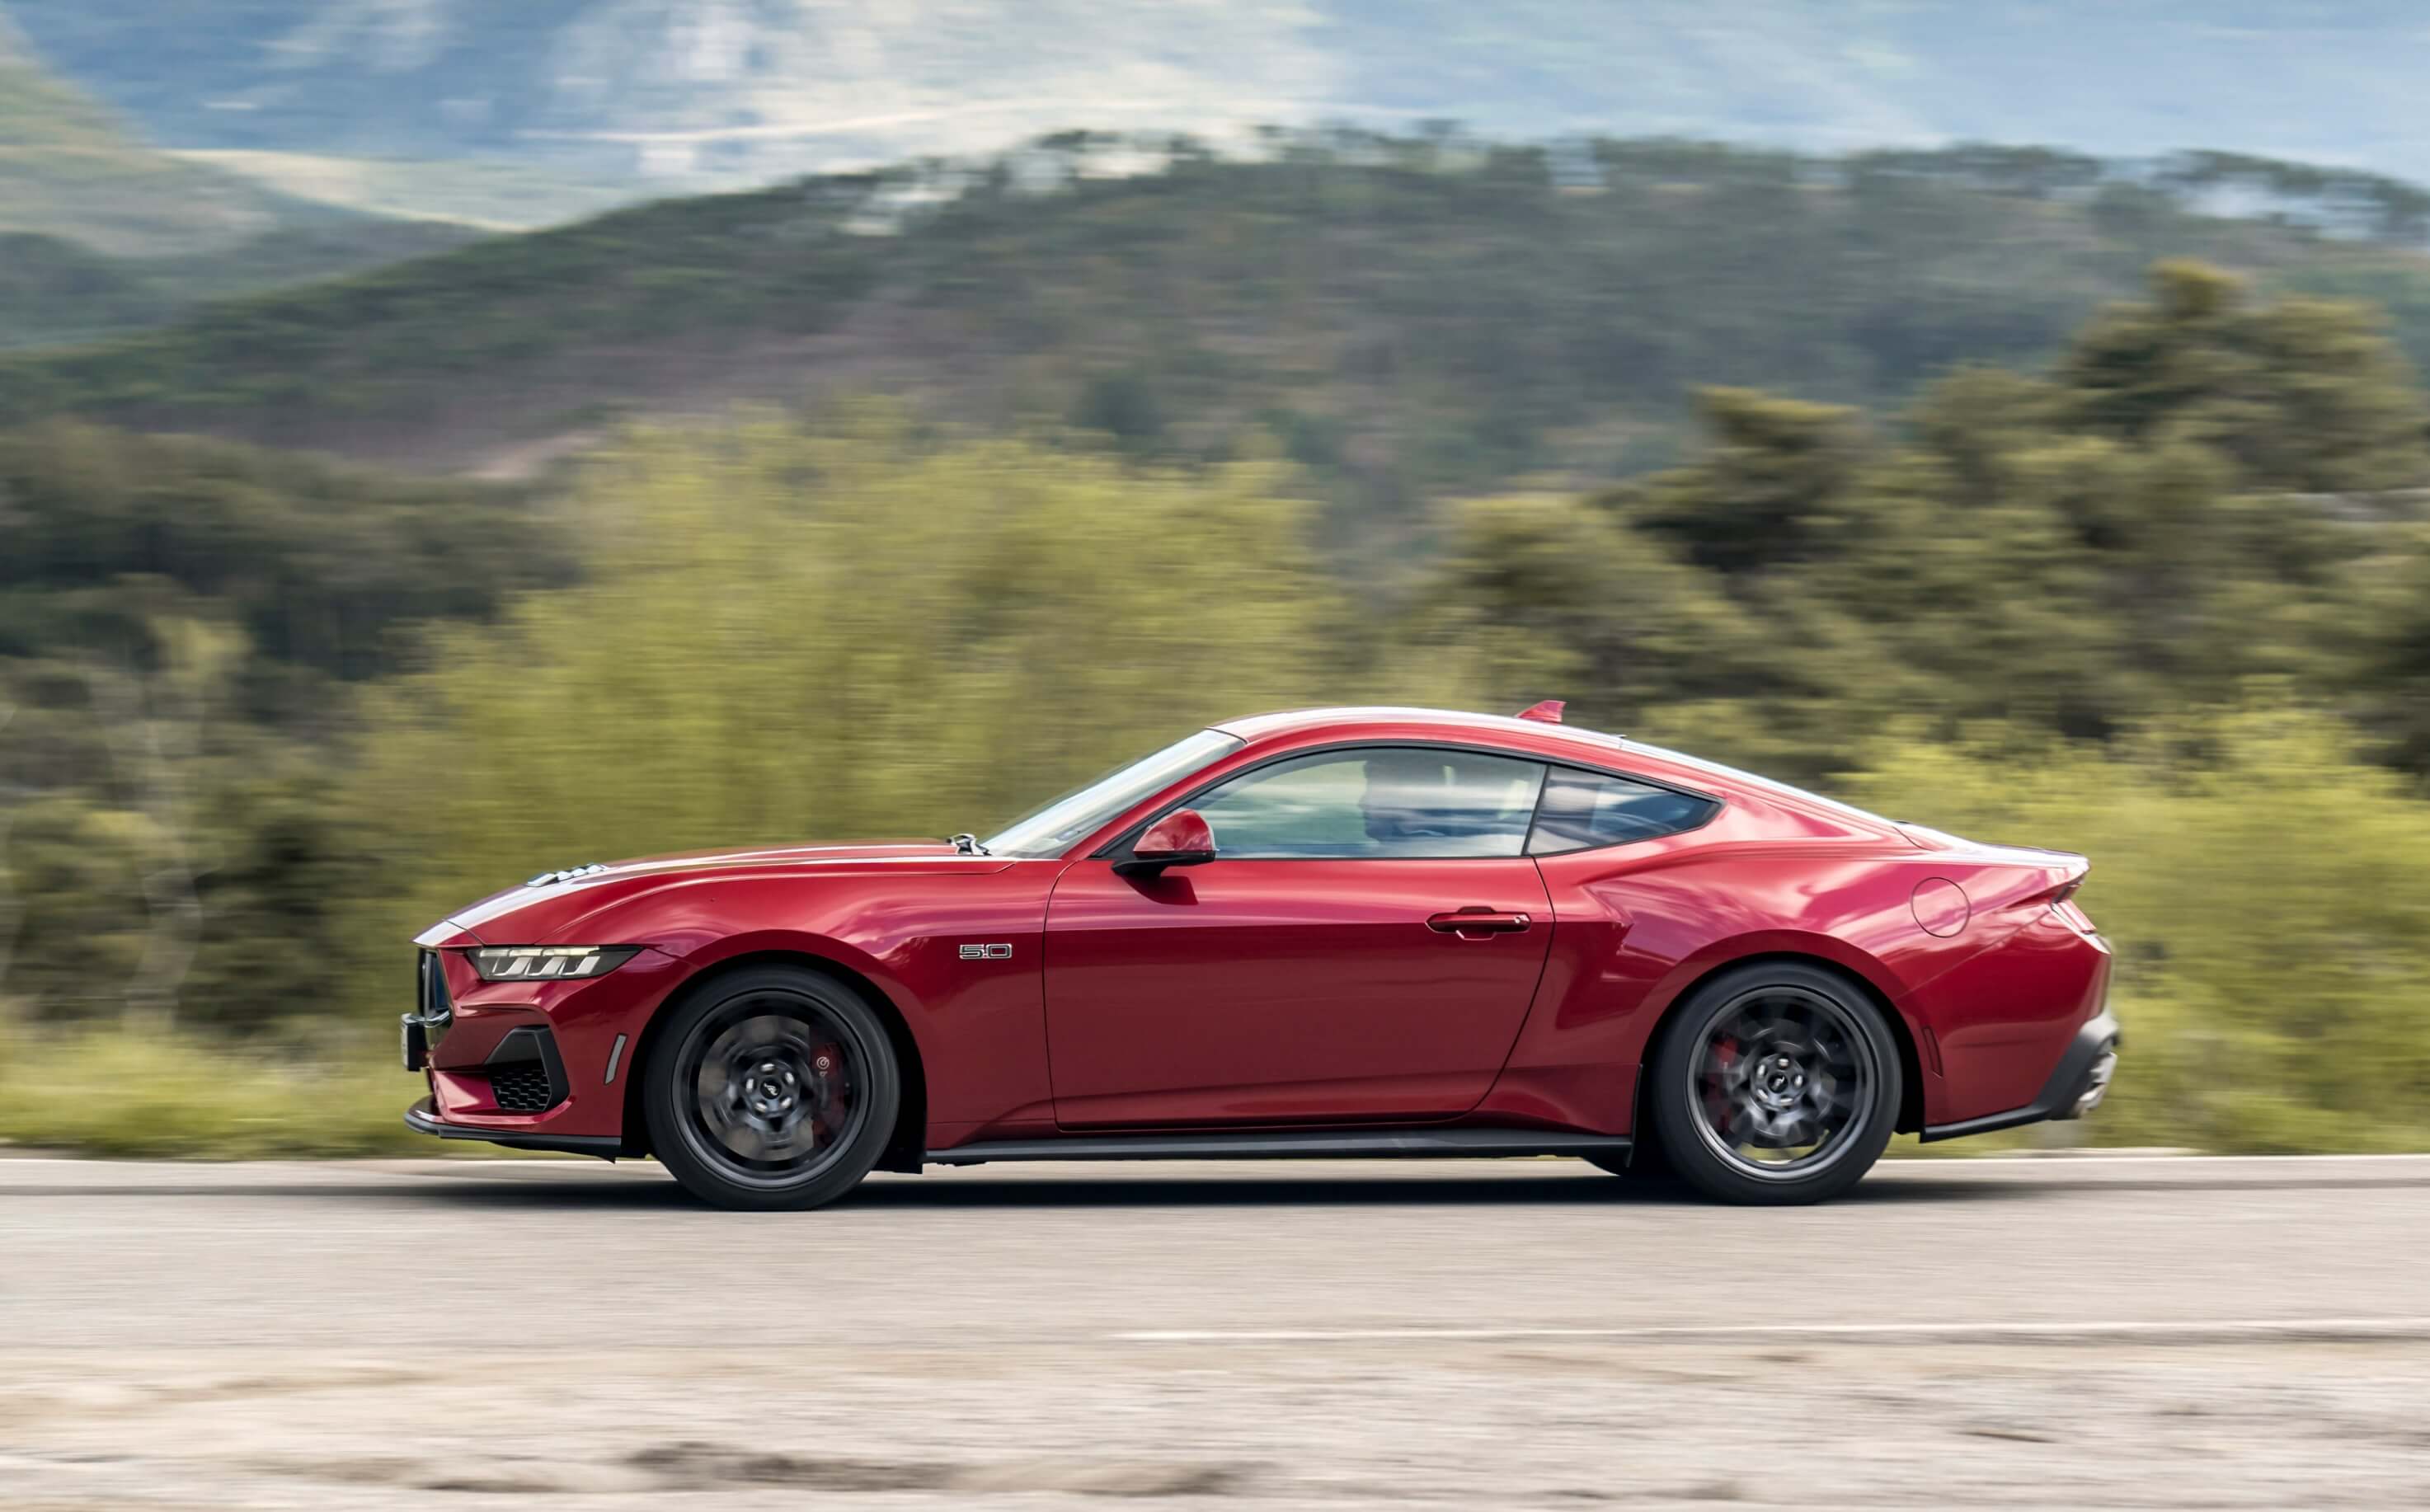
1778 1084
774 1087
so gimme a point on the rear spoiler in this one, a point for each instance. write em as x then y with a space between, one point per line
2065 868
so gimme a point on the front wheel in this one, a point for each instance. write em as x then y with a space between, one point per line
772 1087
1778 1084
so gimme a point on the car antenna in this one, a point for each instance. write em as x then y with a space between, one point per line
1547 712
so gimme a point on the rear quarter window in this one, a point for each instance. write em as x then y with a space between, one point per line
1583 810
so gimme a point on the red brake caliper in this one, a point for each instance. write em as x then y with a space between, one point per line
1717 1097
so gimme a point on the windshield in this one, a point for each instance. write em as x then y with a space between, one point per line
1054 829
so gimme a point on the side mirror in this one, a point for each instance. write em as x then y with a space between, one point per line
1181 837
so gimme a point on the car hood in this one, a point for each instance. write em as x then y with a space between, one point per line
535 913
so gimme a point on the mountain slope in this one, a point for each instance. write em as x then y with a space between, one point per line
1401 318
704 92
68 169
101 233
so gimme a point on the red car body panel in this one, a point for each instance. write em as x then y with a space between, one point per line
1250 993
1286 991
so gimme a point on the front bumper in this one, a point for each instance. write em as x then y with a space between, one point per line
421 1120
539 1065
2075 1087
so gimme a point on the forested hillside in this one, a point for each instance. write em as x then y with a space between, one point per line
1401 317
53 291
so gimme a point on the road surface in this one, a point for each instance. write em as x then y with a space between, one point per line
2030 1333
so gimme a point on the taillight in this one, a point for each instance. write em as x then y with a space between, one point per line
2066 911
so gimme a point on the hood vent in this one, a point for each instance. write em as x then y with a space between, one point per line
572 874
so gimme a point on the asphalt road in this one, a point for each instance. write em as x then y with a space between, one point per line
2057 1333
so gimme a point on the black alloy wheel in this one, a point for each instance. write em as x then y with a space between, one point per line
772 1087
1776 1083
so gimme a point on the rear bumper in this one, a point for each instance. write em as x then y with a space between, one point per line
2075 1087
421 1119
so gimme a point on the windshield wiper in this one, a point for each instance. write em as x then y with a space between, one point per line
969 845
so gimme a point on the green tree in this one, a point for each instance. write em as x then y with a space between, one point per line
1539 595
2305 394
2260 886
836 630
1770 486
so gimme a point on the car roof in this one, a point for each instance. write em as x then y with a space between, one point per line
1385 719
1545 739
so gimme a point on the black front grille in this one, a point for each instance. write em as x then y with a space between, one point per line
521 1089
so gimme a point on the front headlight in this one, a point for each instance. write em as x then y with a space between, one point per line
549 963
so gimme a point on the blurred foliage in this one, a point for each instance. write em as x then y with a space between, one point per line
2166 602
837 631
1406 317
197 1099
317 563
2263 892
2140 530
180 624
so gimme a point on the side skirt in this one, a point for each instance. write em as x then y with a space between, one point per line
1317 1144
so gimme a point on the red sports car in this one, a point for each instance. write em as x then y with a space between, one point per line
1331 932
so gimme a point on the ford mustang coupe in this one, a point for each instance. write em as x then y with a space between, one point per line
1330 932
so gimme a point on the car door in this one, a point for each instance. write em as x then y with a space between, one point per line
1364 945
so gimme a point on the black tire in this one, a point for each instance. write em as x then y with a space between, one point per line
773 1088
1756 1060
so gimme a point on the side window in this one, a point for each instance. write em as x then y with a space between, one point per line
1396 802
1584 809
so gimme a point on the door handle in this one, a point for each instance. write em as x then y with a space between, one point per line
1471 921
